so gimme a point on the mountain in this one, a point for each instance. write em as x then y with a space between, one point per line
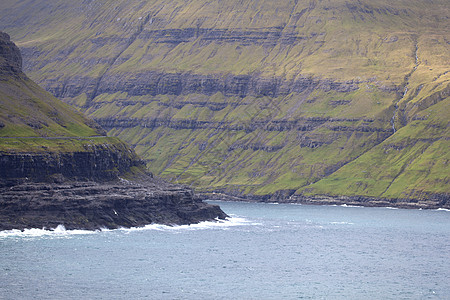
299 100
58 168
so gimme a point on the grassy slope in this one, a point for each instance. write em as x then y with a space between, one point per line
34 121
203 157
381 44
375 39
411 163
27 110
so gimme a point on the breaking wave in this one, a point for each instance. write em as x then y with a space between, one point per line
60 230
444 209
217 224
348 205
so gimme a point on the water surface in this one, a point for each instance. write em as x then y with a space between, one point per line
264 251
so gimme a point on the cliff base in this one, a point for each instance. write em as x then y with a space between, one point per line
92 205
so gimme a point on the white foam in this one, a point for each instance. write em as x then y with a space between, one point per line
347 205
217 224
389 207
342 223
443 209
343 205
59 231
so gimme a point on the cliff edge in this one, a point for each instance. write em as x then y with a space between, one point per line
58 167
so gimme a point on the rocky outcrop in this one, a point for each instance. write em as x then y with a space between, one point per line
158 83
301 124
431 100
429 201
40 191
98 163
425 201
269 36
90 205
10 58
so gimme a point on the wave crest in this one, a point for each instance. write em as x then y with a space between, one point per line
60 230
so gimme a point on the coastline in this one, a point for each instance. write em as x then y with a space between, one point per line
92 205
434 202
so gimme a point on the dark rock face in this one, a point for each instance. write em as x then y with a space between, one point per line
426 201
269 36
90 205
83 190
38 190
101 163
158 83
301 124
10 58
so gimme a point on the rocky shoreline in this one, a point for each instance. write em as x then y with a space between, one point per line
90 205
86 190
434 201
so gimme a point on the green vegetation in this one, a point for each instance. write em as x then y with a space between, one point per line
387 136
33 121
28 111
59 145
411 163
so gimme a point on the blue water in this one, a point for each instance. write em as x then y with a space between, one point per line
264 252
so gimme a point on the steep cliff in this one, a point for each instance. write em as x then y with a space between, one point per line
10 58
40 136
258 98
57 167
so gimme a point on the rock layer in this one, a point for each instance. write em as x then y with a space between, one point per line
154 83
99 163
92 206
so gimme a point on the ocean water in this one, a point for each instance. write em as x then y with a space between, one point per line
263 251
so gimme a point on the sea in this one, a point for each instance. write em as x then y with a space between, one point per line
263 251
